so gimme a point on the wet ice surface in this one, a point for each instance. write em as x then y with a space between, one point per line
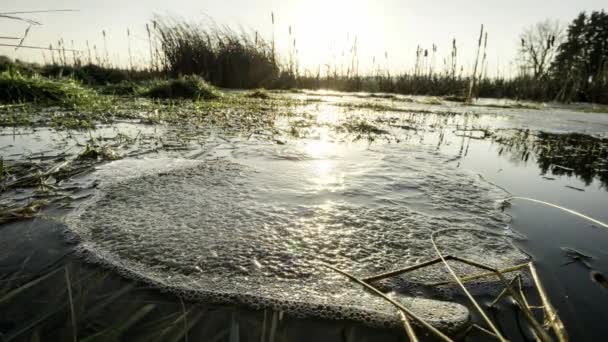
365 207
547 117
256 225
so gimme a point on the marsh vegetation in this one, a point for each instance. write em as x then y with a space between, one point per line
548 67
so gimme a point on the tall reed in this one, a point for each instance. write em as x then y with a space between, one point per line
473 78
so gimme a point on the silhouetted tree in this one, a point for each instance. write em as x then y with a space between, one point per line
539 45
581 64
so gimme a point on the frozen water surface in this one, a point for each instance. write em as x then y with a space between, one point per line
256 225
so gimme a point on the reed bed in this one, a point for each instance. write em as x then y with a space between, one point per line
222 56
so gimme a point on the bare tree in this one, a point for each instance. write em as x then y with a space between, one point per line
539 45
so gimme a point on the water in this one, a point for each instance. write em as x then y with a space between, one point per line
276 204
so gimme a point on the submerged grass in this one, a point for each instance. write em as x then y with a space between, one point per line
83 303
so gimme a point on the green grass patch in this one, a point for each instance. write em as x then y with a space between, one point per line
16 88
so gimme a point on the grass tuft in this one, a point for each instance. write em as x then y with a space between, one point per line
259 94
185 87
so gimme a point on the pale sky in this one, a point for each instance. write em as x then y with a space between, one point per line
321 27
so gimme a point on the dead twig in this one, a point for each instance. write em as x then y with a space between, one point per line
394 273
408 312
504 291
483 275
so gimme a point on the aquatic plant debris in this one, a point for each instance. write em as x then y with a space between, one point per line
257 232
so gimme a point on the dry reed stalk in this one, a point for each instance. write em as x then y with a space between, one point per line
473 78
551 315
408 327
129 50
504 291
71 301
150 46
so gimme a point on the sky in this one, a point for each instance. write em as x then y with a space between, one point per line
387 31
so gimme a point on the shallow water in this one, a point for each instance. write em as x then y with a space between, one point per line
357 200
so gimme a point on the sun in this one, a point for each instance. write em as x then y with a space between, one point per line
325 31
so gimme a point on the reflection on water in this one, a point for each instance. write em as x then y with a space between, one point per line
583 156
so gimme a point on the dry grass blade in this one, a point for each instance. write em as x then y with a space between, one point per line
180 333
32 323
183 305
422 322
100 306
71 301
504 291
114 333
570 211
273 326
234 329
26 286
27 31
263 335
